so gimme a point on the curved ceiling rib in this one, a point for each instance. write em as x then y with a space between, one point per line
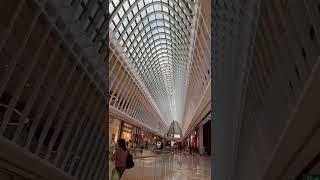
156 37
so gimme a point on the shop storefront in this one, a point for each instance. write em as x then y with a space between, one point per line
116 123
126 131
137 138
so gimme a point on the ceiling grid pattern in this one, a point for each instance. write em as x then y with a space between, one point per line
156 37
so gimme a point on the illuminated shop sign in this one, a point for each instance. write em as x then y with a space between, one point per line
176 136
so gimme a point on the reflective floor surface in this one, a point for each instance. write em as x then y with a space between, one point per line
190 167
182 167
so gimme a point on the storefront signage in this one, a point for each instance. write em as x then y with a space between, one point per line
176 136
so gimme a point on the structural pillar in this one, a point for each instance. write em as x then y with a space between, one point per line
201 148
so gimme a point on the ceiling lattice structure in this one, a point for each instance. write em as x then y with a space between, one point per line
155 35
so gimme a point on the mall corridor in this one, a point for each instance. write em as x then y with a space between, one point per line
190 89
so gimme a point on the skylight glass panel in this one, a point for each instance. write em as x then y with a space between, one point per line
166 17
159 16
116 19
136 31
126 5
140 4
125 22
157 7
135 9
145 22
121 43
144 40
153 32
131 1
161 30
133 23
121 12
170 3
125 36
152 17
142 33
143 13
130 15
157 42
138 38
116 2
153 25
121 28
129 30
138 18
111 8
160 23
164 41
135 43
150 9
147 1
172 20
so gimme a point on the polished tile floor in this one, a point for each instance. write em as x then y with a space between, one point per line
190 167
180 167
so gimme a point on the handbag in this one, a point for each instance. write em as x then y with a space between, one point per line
129 161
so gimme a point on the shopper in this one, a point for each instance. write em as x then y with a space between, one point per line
120 157
141 147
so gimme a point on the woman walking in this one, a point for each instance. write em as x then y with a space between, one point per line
120 156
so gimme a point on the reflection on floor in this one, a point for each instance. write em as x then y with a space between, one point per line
182 167
190 167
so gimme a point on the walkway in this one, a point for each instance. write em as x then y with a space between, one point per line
190 167
185 166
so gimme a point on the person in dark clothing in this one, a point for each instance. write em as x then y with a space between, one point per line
141 148
120 157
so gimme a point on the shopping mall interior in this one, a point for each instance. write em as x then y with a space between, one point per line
196 89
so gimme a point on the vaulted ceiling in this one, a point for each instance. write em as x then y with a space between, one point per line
155 35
